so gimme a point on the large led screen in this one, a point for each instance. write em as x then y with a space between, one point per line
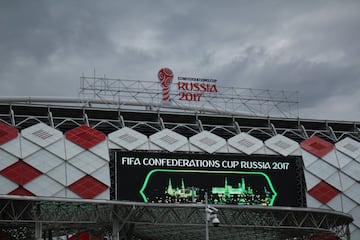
226 178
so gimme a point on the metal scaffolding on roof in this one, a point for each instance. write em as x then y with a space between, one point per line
254 102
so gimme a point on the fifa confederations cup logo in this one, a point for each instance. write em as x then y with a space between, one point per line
165 76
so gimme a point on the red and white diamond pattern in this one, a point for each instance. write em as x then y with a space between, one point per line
42 161
339 170
76 164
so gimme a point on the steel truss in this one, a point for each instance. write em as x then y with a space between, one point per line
169 221
24 112
256 102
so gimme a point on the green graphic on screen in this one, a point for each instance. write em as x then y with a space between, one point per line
222 187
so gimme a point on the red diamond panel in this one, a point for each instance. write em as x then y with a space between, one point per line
85 136
323 192
88 187
21 191
317 146
7 133
84 236
20 172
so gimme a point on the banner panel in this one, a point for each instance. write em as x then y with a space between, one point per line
227 178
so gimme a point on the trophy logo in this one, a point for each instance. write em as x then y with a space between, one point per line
165 76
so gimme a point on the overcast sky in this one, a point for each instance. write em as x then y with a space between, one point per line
308 46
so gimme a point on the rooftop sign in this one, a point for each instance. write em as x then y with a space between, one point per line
192 89
188 94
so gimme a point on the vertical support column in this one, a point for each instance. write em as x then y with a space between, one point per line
38 224
115 225
38 230
115 229
50 234
347 232
120 228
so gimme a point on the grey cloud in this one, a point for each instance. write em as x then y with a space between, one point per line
306 46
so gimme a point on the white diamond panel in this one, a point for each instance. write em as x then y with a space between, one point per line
128 138
71 194
87 162
43 160
352 170
72 149
312 202
354 232
58 148
334 180
356 212
6 160
58 174
43 186
207 141
41 134
28 148
343 159
169 140
346 182
340 181
321 169
349 146
348 204
73 174
336 203
310 180
6 185
308 158
281 144
13 147
103 175
101 150
331 158
353 192
245 143
61 193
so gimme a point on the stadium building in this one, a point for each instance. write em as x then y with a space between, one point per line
185 160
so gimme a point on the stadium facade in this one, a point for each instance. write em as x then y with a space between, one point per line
141 170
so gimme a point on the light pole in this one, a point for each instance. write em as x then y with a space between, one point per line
206 217
210 215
